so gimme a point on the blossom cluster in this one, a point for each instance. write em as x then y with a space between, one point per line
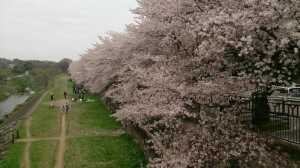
156 72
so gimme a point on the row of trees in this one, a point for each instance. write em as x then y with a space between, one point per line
154 72
39 74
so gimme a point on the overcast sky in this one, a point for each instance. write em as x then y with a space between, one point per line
56 29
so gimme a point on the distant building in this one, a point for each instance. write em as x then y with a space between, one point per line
11 66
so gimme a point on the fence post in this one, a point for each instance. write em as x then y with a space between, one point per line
12 138
283 105
17 134
253 99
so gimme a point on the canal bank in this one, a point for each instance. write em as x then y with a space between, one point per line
8 126
23 108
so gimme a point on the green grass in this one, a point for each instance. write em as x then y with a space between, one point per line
59 86
90 116
84 118
43 154
21 128
105 152
46 121
14 156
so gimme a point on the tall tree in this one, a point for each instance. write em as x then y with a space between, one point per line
23 82
157 68
64 64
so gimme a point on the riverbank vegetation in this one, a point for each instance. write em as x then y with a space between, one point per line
17 76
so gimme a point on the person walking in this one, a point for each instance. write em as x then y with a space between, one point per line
65 94
63 108
67 108
51 99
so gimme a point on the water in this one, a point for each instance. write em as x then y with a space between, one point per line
8 105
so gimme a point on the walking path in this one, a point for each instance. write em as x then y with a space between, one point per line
28 134
59 161
62 146
62 138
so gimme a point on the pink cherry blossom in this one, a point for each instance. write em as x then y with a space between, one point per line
157 72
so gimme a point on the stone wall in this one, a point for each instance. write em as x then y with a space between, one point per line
6 137
141 136
9 126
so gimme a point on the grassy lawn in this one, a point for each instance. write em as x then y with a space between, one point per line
14 156
21 128
59 86
83 120
88 117
105 152
43 154
46 121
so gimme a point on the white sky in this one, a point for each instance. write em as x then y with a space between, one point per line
56 29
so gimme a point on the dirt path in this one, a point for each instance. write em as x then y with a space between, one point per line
62 138
62 143
59 162
28 144
98 134
27 128
37 139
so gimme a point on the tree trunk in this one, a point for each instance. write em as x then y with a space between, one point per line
260 108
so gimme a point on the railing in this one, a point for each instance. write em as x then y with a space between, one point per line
283 121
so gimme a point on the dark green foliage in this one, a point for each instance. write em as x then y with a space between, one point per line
64 65
21 83
3 75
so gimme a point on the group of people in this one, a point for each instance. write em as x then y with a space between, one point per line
65 107
80 90
76 89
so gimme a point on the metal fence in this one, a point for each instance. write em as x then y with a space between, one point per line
283 121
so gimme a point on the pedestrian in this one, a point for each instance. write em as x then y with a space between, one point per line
67 108
51 98
65 94
63 108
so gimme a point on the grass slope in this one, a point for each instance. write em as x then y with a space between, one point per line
84 148
14 156
105 152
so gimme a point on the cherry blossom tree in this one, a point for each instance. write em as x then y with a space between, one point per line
256 40
155 72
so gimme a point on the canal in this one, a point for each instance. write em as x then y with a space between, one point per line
8 105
